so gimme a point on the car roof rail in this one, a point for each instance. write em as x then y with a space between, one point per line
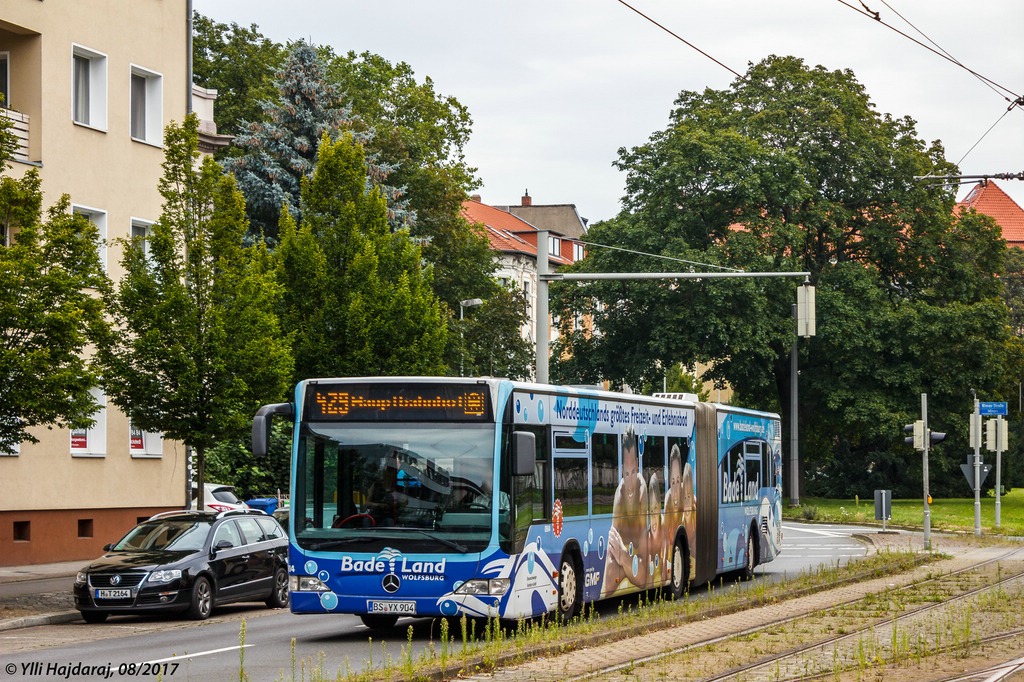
173 512
240 512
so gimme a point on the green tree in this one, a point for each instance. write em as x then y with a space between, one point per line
51 313
793 169
198 345
240 64
491 338
357 294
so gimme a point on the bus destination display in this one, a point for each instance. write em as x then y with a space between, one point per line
390 402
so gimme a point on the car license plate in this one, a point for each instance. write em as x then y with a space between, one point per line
407 608
114 594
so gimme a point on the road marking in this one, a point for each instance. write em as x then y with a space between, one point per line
814 531
200 653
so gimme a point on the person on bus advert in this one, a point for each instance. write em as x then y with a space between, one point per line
628 538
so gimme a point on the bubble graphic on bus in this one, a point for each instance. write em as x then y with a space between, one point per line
310 567
329 600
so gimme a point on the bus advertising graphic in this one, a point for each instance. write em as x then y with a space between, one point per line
493 498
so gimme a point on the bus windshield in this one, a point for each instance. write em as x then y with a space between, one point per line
361 487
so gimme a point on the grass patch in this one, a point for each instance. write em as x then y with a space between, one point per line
950 514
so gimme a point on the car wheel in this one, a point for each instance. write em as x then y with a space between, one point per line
680 568
377 621
201 605
569 592
278 598
94 616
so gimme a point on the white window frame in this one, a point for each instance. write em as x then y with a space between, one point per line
142 228
5 78
152 99
554 246
578 252
96 88
96 437
97 217
152 444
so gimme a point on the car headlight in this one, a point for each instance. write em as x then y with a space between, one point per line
81 578
494 586
165 575
306 583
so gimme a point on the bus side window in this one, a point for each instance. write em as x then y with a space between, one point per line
531 493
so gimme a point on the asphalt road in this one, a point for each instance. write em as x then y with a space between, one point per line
183 650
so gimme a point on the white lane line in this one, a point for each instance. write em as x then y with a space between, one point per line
814 531
200 653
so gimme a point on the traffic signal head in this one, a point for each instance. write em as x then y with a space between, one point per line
936 437
917 440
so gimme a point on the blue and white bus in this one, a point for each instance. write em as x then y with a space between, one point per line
433 496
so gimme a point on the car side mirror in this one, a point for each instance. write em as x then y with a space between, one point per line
109 546
221 545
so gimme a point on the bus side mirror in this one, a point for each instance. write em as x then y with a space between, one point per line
524 453
261 425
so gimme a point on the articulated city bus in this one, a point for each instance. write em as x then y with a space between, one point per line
433 496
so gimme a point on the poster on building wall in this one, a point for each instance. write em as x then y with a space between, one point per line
79 439
137 440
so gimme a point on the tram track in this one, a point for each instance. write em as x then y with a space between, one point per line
848 648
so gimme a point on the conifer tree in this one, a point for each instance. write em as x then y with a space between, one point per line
357 293
280 150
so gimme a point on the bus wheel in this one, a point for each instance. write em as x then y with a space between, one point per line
569 592
680 567
378 621
748 567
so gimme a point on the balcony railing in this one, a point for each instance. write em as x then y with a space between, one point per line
20 130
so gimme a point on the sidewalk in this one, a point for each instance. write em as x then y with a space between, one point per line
11 575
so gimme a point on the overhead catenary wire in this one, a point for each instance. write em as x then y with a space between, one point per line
680 38
1014 100
656 255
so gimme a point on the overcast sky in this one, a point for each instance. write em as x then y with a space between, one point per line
556 87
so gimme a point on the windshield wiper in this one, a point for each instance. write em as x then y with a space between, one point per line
451 544
336 543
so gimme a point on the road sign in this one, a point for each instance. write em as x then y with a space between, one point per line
968 470
991 409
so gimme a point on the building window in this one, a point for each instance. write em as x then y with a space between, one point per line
22 531
577 251
5 78
144 443
99 219
555 246
84 528
92 442
147 105
89 87
142 230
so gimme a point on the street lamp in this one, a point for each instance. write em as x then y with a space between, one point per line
468 303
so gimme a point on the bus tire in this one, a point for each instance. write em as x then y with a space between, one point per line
750 564
378 621
680 569
570 587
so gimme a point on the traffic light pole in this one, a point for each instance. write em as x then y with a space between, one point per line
924 469
976 416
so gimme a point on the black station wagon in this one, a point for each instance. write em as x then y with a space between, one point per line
187 561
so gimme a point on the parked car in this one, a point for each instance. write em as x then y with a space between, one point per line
187 561
218 497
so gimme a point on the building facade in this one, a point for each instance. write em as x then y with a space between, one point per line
90 86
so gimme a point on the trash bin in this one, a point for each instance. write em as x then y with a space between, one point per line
264 504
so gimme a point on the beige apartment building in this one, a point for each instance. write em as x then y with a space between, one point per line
90 85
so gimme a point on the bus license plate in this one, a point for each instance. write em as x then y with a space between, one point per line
406 608
113 594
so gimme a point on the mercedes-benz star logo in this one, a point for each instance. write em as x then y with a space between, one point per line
116 580
391 583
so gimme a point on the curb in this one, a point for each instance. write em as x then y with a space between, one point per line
42 619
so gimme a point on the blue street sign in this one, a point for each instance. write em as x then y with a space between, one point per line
991 409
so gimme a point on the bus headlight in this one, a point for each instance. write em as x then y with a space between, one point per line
494 586
306 583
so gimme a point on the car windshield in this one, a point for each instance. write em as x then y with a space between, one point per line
166 534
